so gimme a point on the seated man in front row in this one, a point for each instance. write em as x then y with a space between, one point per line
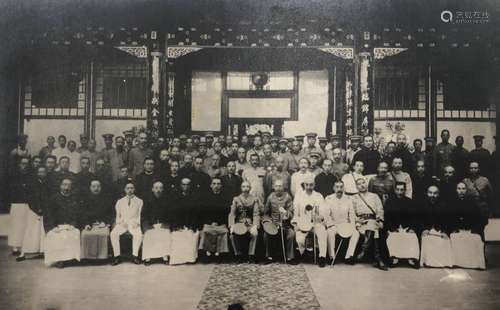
245 213
370 219
156 243
62 242
401 222
214 212
96 220
466 229
128 219
279 211
341 215
309 214
435 248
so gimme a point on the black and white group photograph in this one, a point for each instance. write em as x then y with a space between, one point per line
249 154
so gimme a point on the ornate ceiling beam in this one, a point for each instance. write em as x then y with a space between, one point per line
342 52
137 51
179 51
382 52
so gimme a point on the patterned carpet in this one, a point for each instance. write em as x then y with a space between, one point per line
257 287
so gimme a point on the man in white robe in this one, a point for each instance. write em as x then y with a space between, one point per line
309 207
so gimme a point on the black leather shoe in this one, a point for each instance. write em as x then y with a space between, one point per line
321 262
380 265
137 260
267 261
413 263
147 263
116 261
252 259
293 262
20 258
59 265
350 261
360 256
238 259
393 262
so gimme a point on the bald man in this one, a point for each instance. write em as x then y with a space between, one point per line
308 206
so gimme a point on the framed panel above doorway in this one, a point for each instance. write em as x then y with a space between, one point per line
263 103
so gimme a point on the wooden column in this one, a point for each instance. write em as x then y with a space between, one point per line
89 109
430 103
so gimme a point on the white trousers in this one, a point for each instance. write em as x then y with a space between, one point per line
321 236
353 242
119 230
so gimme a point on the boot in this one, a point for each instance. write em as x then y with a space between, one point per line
368 237
379 263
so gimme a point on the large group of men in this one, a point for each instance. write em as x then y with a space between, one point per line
252 199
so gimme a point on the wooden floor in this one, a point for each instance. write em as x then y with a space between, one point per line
31 285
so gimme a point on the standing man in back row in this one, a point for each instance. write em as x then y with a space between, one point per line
443 152
137 154
368 155
481 155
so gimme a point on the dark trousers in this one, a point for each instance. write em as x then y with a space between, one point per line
273 243
369 241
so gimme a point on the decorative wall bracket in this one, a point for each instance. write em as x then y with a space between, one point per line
342 52
382 52
179 51
137 51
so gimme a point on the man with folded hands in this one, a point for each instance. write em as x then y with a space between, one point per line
62 243
156 243
401 223
97 215
213 215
